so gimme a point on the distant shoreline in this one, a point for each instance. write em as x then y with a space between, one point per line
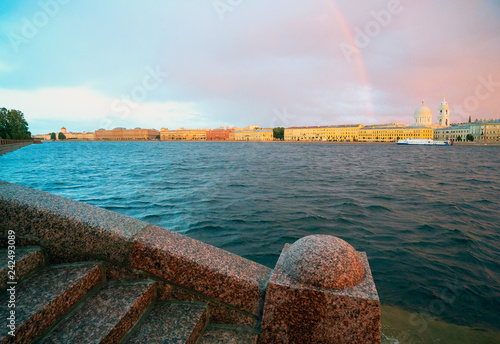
317 142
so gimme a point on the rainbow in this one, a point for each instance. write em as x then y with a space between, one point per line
359 60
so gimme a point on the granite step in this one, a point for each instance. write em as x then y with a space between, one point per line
26 261
43 298
171 322
106 316
219 334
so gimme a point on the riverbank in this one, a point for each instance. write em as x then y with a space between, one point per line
476 143
10 147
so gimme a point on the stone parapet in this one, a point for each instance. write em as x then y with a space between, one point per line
321 298
8 146
200 267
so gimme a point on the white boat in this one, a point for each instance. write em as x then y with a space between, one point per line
427 142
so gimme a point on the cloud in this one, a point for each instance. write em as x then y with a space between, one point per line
84 105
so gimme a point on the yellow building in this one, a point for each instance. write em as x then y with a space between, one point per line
80 136
455 133
491 131
338 133
391 133
83 136
121 134
45 137
183 134
485 131
252 135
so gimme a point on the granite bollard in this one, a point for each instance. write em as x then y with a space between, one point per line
321 291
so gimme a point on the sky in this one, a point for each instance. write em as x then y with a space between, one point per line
157 64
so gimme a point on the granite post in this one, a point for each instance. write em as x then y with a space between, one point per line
321 291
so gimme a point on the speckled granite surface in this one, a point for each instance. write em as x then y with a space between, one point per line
44 297
57 255
201 267
219 313
170 292
299 313
106 317
173 323
323 261
45 218
214 335
28 259
116 273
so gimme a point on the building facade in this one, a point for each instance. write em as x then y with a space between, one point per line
122 134
334 133
252 135
183 134
486 131
491 131
455 133
392 133
481 131
220 134
83 136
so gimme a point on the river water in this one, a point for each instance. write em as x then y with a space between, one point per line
428 217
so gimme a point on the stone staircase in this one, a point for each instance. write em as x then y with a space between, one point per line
90 302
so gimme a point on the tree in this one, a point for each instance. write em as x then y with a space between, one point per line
279 133
19 126
61 136
459 138
4 124
53 136
470 137
158 137
13 125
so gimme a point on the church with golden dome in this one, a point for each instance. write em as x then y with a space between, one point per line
423 116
